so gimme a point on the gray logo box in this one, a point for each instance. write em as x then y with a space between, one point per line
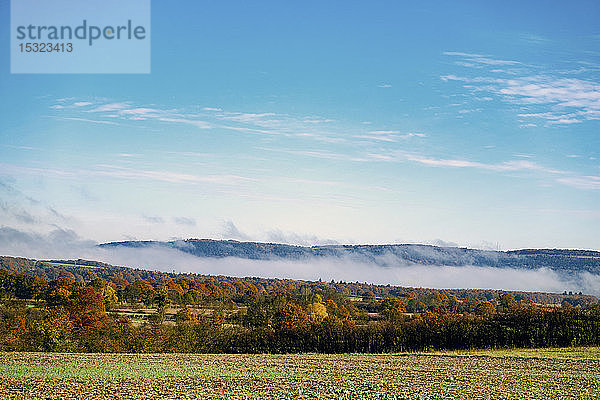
80 36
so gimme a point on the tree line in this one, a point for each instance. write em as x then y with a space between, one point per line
86 271
65 315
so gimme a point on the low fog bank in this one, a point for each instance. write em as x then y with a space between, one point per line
349 270
66 245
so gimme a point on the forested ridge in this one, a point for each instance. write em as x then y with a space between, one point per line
570 261
95 307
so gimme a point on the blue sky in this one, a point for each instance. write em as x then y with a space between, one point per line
462 122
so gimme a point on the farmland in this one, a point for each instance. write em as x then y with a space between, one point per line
482 374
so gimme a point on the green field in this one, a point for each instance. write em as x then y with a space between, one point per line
509 374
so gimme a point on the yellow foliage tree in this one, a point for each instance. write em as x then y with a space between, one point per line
317 312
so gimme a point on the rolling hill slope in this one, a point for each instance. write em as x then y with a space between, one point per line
386 255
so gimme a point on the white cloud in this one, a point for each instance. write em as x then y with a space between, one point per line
111 107
128 173
167 176
82 103
231 231
327 155
194 122
514 165
560 176
461 54
93 121
293 238
142 112
581 95
258 123
522 155
388 135
566 100
383 132
377 138
581 182
480 59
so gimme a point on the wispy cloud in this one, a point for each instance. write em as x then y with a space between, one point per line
562 100
260 119
568 178
231 231
473 59
279 236
384 132
153 219
82 103
589 182
506 166
126 111
129 173
110 107
327 155
21 209
388 135
188 121
167 176
256 123
93 121
578 99
184 221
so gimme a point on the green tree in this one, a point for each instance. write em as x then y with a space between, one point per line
485 309
507 302
392 309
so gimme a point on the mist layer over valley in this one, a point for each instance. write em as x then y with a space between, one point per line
399 273
402 265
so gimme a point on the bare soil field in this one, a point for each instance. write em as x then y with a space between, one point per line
502 374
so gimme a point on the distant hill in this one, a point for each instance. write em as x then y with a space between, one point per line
569 261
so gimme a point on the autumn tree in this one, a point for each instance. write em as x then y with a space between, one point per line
86 308
368 297
57 329
59 291
392 309
108 292
507 302
292 316
485 309
185 315
316 312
